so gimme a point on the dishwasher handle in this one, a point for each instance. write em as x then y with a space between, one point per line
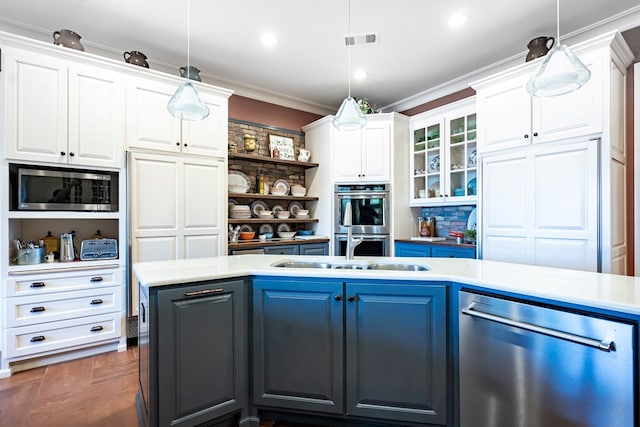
604 345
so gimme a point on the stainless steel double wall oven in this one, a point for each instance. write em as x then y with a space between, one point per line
370 218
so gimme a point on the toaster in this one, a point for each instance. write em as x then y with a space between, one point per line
94 249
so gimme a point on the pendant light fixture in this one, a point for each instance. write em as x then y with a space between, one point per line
560 72
186 104
349 115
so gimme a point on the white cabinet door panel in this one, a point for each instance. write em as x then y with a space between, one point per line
149 124
201 203
505 248
375 153
564 253
208 137
159 248
347 155
96 117
201 246
35 106
154 193
505 186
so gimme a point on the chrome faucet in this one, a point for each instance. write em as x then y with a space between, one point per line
351 242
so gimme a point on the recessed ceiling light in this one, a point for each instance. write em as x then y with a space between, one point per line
360 75
269 39
457 20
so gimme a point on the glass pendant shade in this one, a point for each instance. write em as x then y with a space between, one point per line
349 116
560 72
186 104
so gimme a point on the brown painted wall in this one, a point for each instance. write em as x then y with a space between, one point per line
267 114
456 96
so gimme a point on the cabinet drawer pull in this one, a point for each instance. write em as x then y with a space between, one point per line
204 292
37 338
96 279
37 309
37 285
96 301
451 255
96 329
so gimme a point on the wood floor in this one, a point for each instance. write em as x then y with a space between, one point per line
91 392
94 391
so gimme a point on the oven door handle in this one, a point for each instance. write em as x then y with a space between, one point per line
362 195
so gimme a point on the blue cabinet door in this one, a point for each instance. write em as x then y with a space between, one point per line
406 249
396 352
298 344
452 252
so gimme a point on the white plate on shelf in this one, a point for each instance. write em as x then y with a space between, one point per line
240 179
294 207
279 186
472 222
265 228
231 203
246 227
257 207
276 209
283 227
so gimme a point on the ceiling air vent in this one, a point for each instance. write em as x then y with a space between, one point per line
360 39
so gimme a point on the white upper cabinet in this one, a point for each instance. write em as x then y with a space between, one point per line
443 156
151 126
57 111
509 117
363 155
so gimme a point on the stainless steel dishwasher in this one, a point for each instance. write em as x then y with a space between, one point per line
524 365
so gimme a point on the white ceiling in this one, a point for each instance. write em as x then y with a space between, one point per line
417 51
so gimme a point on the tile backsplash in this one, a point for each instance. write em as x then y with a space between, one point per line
449 218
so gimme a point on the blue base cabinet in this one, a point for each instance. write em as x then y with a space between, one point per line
417 250
353 350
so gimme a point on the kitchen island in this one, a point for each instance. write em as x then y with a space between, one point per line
356 346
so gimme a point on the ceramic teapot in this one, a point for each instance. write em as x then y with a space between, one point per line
136 58
539 47
67 38
190 72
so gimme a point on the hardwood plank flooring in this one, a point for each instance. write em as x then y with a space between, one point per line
96 391
93 391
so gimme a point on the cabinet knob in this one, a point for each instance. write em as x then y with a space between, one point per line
351 298
451 256
185 144
177 143
71 154
526 135
535 134
62 153
338 297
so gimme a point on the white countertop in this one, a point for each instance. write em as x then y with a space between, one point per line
598 290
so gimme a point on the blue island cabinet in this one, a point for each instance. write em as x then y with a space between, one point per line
417 250
356 350
192 354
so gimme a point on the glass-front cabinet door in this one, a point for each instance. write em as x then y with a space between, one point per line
443 155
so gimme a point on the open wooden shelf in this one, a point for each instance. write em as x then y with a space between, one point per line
256 158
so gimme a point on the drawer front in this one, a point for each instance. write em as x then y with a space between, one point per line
34 339
444 252
61 282
30 310
282 250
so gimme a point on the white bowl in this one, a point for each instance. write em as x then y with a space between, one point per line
303 212
300 216
286 234
278 193
284 214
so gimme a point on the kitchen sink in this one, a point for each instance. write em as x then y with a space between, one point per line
357 265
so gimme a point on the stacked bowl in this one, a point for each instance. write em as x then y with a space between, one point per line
283 214
302 214
298 190
240 212
265 214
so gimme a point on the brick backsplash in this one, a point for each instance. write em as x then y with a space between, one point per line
271 172
449 218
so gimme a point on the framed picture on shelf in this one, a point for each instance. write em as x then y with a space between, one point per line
281 147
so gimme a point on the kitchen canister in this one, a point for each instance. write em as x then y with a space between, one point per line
67 38
30 256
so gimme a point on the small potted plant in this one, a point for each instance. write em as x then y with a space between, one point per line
366 106
470 236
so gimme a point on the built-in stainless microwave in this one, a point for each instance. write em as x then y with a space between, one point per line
46 188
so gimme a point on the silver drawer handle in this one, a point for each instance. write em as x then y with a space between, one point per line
204 292
604 345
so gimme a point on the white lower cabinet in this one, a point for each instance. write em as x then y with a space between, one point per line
177 208
46 313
